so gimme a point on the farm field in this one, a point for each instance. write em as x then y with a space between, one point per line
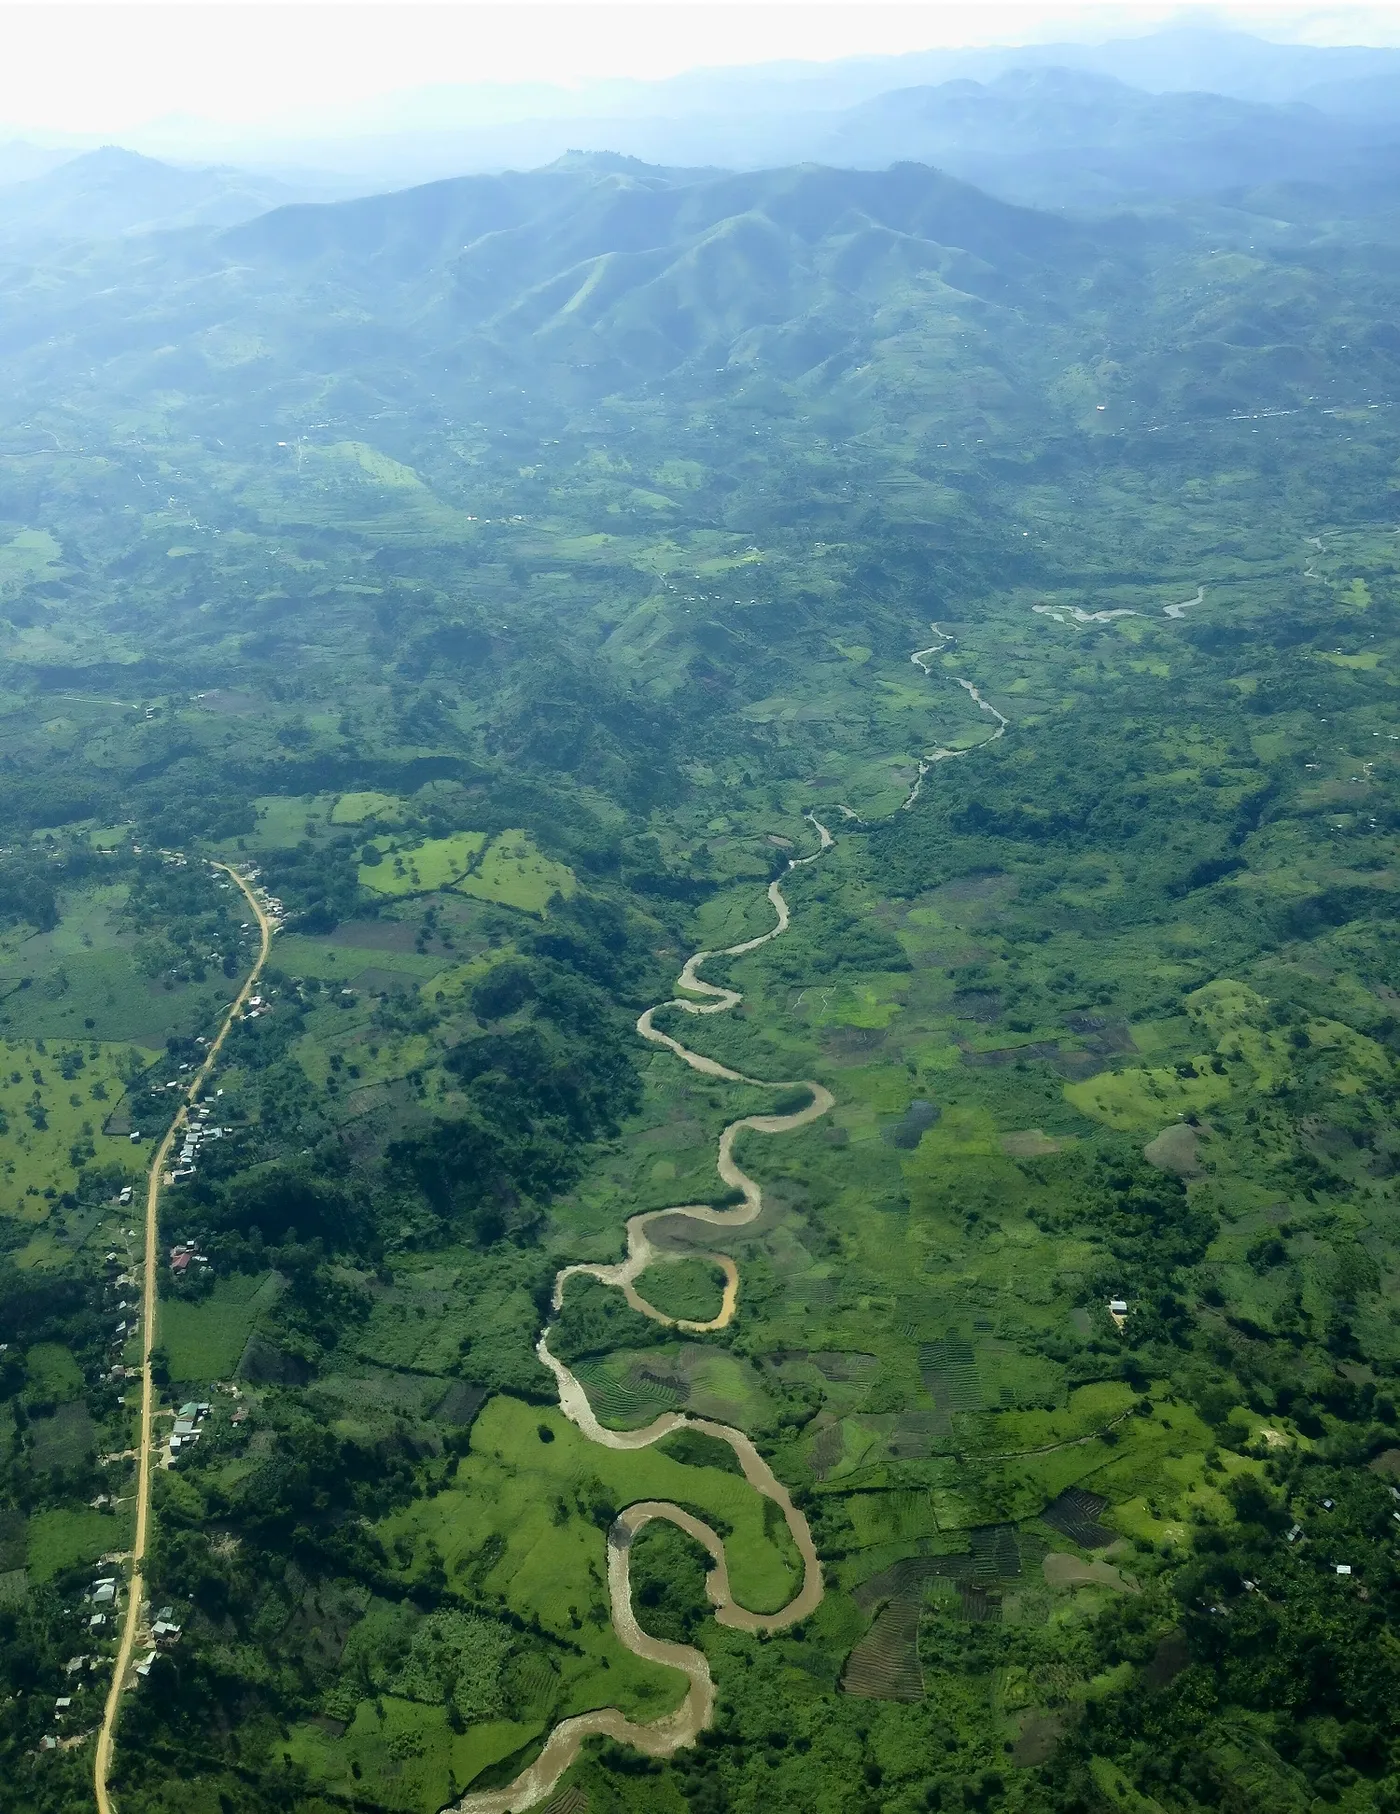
1027 770
515 874
53 1102
409 869
204 1339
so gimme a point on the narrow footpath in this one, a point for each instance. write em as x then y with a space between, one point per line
106 1735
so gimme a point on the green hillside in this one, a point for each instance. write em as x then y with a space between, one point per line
523 573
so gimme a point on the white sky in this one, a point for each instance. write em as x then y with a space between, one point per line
92 68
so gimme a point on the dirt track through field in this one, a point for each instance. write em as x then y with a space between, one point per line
131 1623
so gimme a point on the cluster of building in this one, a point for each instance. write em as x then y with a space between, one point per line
165 1632
103 1596
78 1666
271 904
183 1255
125 1331
197 1131
123 1278
187 1421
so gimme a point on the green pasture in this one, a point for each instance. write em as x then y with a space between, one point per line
53 1373
394 1056
1141 1100
422 868
357 484
52 1122
513 1485
402 1753
27 556
282 819
333 959
355 809
89 920
507 869
691 1289
205 1338
106 988
513 873
60 1539
1088 1410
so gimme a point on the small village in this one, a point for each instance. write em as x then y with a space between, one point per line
99 1615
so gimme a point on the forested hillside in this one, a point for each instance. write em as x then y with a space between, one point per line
517 580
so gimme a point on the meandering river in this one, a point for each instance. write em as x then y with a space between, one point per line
659 1738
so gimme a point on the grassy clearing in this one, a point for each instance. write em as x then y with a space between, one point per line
335 960
404 1754
525 1491
691 1289
1140 1101
52 1121
378 468
283 819
205 1339
61 1539
26 557
1089 1409
53 1373
422 868
89 922
354 809
106 988
514 873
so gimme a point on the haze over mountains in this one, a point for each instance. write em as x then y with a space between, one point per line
772 113
1177 114
103 194
869 294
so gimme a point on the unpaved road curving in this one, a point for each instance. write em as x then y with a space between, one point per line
106 1733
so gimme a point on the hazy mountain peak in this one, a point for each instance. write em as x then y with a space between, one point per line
113 190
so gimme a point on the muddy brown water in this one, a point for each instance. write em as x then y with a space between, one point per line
674 1731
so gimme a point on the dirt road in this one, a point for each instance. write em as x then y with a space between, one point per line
131 1624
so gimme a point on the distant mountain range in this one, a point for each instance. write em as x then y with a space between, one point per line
600 277
105 193
1206 115
1059 137
773 114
